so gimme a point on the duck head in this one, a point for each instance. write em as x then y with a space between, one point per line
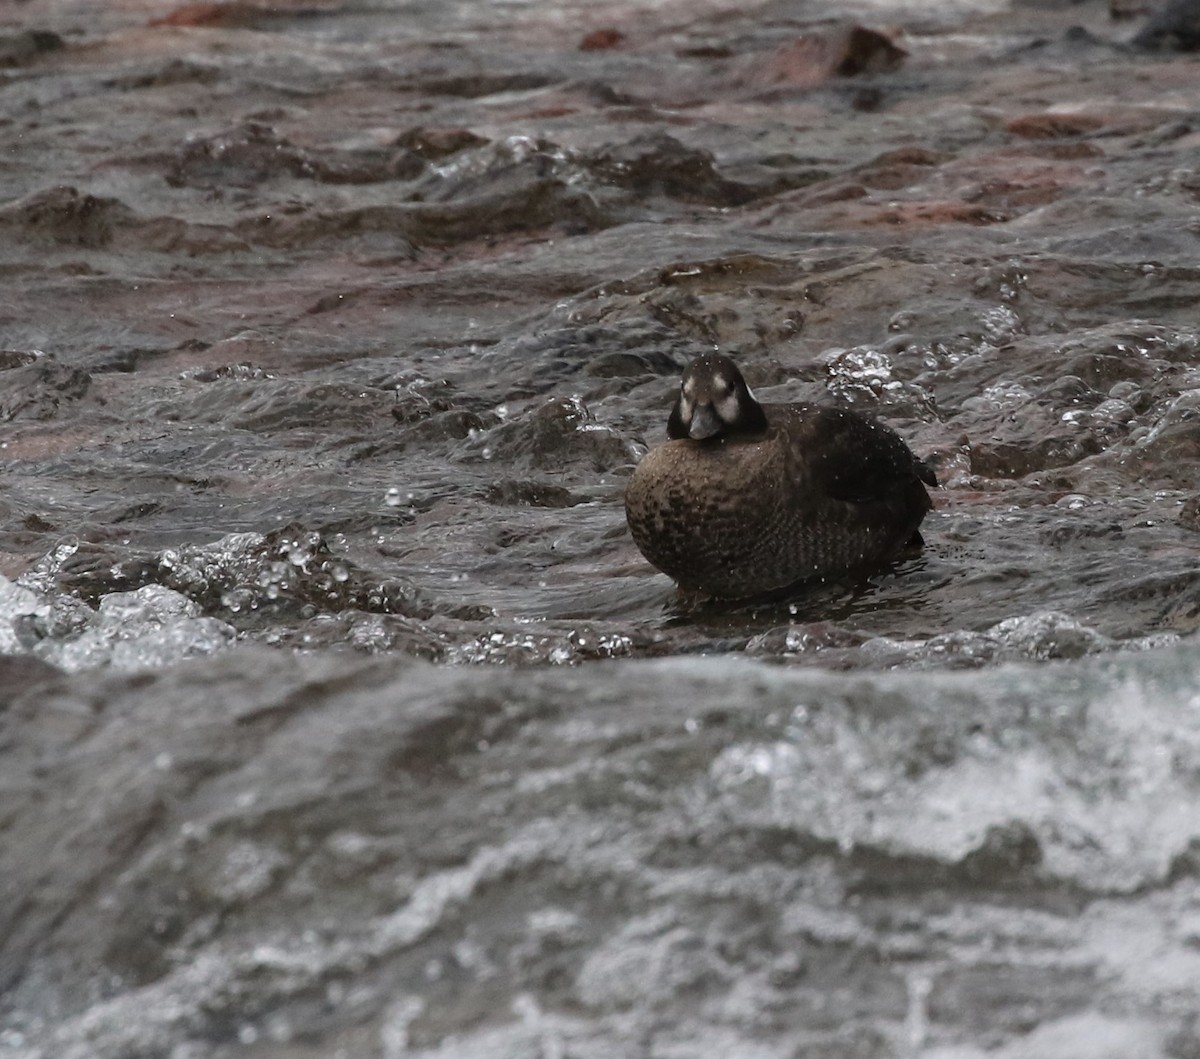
714 401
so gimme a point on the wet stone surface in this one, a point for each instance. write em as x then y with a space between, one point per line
343 717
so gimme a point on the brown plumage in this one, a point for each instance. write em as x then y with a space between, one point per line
746 498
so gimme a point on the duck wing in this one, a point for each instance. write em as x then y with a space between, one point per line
851 457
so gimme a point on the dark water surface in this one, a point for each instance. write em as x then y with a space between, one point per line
329 336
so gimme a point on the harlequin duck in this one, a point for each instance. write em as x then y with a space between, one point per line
747 498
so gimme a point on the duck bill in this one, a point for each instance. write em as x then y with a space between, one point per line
704 424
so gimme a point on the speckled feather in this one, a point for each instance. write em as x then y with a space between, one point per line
818 492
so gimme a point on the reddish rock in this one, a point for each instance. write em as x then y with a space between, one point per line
815 58
933 212
602 40
560 111
208 14
1011 194
1053 126
238 14
830 191
1119 9
1115 120
900 168
1065 152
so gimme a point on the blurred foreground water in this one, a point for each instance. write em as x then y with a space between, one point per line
340 715
316 854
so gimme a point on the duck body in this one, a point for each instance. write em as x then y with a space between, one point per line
770 495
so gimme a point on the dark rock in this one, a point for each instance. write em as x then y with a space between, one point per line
1189 514
1015 459
254 152
658 164
436 143
63 215
19 48
554 435
1006 851
513 492
40 389
1175 27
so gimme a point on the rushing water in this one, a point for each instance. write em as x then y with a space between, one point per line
342 716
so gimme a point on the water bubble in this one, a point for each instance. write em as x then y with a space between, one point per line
1072 501
279 1029
1114 410
1001 323
237 598
392 497
998 396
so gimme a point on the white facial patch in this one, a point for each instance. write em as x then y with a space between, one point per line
727 408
